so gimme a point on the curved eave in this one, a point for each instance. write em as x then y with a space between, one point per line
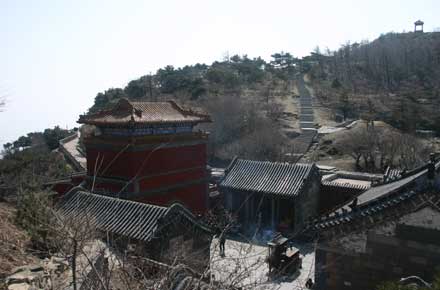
136 123
271 193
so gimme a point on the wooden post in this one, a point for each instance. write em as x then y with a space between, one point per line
74 254
278 211
246 209
273 212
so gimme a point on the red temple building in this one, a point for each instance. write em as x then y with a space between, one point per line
148 152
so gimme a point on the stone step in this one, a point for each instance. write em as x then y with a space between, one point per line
311 130
307 110
306 118
306 104
306 124
305 129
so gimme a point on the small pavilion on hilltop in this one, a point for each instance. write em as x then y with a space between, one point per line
418 26
148 152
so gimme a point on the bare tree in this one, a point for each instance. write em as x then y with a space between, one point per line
53 232
375 147
359 144
245 127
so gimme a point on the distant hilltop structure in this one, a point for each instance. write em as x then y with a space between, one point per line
418 26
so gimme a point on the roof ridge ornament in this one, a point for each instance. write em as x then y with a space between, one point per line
145 113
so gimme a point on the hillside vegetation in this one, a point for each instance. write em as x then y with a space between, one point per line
30 161
395 78
238 92
14 242
371 146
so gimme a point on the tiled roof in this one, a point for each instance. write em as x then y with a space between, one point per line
267 177
342 217
123 217
125 112
333 183
382 190
391 174
374 201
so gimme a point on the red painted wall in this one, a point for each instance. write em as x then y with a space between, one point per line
154 182
158 167
146 162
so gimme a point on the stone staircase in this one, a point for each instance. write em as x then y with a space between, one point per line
302 143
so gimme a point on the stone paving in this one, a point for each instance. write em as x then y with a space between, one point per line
244 266
306 117
72 149
307 120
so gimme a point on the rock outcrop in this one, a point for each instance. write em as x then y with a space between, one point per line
37 276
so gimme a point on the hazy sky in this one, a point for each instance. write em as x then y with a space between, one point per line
55 56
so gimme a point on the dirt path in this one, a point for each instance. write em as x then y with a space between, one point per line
290 103
323 115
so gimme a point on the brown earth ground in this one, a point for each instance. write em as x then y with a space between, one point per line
13 242
323 115
290 103
322 153
325 152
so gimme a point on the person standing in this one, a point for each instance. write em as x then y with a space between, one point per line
222 241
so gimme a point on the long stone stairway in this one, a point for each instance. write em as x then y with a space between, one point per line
302 143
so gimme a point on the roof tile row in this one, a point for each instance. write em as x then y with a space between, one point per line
125 112
267 177
123 217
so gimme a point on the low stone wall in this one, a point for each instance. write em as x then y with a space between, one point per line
72 160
